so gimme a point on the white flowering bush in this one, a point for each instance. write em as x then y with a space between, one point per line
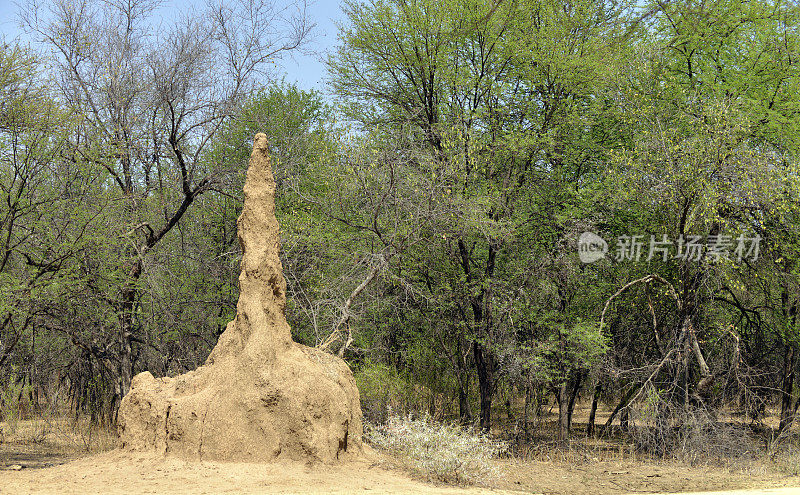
444 452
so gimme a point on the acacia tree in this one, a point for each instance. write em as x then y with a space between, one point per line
709 104
493 92
52 212
152 100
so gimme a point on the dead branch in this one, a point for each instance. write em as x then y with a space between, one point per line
644 280
344 319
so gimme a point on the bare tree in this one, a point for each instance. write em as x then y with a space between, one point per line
154 97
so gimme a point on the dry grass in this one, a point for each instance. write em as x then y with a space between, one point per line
729 443
52 439
604 465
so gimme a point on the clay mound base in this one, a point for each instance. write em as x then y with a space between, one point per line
301 406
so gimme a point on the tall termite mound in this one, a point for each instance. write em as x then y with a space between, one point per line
259 396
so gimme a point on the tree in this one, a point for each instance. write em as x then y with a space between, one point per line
708 104
52 211
151 102
498 107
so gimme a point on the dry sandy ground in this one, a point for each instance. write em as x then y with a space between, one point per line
54 464
128 473
766 491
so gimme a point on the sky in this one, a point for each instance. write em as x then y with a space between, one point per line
307 70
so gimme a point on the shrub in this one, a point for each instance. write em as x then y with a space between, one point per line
382 388
444 452
14 401
692 436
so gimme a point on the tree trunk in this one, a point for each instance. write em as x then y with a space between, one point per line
624 420
484 365
573 395
563 415
622 404
787 387
593 411
525 411
126 329
464 411
482 321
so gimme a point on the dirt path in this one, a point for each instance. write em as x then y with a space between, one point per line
128 473
125 473
766 491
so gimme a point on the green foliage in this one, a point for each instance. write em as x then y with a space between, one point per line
383 389
15 397
566 348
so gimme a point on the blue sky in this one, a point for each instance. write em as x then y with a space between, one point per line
307 70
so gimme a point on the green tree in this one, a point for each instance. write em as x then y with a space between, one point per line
502 100
708 104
